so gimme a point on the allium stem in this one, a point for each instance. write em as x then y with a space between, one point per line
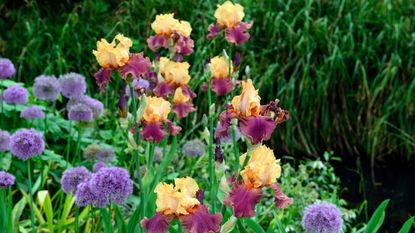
68 145
32 214
78 146
212 175
76 225
92 216
3 216
9 210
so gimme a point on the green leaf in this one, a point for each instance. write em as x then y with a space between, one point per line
377 218
254 225
407 225
5 161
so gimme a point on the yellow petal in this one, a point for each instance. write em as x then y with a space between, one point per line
177 73
163 62
179 97
219 67
164 24
114 54
187 186
183 27
229 14
248 103
157 110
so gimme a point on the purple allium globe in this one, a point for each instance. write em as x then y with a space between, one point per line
90 152
105 154
15 95
322 218
194 148
46 88
95 105
72 85
84 196
4 140
32 112
26 143
80 112
98 166
6 180
113 183
7 69
72 177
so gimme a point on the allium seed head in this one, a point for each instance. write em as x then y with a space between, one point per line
26 143
46 88
6 180
72 177
7 69
15 95
72 85
322 218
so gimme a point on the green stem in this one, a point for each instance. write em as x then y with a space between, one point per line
68 145
46 123
92 216
212 175
9 210
32 214
136 155
235 148
78 146
76 225
3 214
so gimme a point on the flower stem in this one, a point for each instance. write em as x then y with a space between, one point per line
32 214
9 210
212 175
3 215
78 146
76 225
68 145
235 148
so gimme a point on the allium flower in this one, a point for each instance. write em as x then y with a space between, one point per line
46 88
4 140
171 31
72 177
72 85
158 154
32 112
112 183
179 201
105 154
155 115
6 179
26 143
255 121
262 170
98 166
90 152
94 105
221 81
229 16
7 69
194 148
322 218
84 196
80 112
15 95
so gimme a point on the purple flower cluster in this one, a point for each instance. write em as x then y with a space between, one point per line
15 95
322 218
87 104
71 178
26 143
4 140
80 112
7 69
99 153
72 85
194 148
32 112
107 185
6 180
46 88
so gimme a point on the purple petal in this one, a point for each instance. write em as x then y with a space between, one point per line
238 34
214 30
200 195
243 200
159 223
184 45
173 129
103 77
182 110
236 60
153 132
201 221
137 66
225 123
222 86
282 201
188 92
257 128
156 42
163 89
122 104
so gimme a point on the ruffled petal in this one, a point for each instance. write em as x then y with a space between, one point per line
243 200
257 128
238 34
182 110
222 86
137 66
273 110
163 89
173 129
153 132
201 221
282 201
188 92
159 223
156 42
184 45
103 77
214 30
225 123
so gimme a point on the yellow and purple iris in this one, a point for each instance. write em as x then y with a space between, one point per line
183 202
176 79
262 170
229 16
221 70
256 121
116 55
154 117
170 31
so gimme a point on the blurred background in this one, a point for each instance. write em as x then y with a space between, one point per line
344 69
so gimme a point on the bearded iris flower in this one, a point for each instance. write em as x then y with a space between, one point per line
221 70
155 116
257 121
171 32
262 170
229 17
179 201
